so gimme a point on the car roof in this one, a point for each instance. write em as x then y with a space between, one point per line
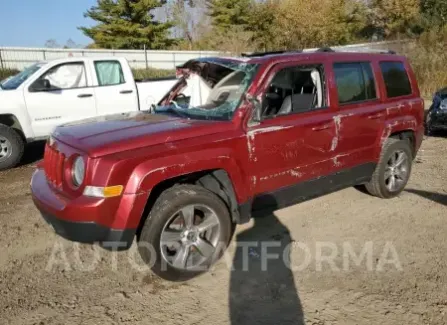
80 58
268 58
280 56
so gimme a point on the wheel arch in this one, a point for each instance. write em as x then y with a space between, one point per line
13 122
408 135
217 181
401 128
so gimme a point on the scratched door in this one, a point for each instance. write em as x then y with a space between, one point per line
288 150
360 114
297 144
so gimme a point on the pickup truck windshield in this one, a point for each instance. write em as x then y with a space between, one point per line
212 92
18 79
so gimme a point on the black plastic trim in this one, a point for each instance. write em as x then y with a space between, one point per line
305 191
91 233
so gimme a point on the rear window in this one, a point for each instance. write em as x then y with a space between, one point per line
396 79
109 73
355 82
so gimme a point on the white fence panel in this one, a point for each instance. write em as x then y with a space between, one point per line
21 57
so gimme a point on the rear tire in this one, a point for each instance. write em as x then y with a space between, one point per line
12 147
393 170
168 232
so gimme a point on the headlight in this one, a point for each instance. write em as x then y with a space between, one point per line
443 105
78 171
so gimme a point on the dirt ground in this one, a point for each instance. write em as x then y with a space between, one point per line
41 285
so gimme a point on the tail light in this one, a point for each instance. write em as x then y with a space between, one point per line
54 165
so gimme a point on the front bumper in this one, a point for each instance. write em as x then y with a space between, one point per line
84 220
90 233
437 119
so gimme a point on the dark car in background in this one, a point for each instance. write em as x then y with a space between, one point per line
437 114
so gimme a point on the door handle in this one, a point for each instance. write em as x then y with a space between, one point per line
126 91
376 116
321 127
85 95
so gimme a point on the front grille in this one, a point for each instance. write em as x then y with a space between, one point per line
54 165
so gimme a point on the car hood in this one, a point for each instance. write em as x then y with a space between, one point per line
442 93
116 133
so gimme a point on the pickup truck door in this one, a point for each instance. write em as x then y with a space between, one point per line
59 95
288 152
115 88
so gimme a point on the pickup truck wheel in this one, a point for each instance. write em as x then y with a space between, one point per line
187 231
11 147
393 171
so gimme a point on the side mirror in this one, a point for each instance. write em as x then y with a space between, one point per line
257 105
41 85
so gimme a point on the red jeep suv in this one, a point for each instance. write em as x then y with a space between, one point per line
232 136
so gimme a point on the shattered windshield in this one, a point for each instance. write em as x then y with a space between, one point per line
212 89
14 82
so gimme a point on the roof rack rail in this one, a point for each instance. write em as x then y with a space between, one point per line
322 50
354 49
256 54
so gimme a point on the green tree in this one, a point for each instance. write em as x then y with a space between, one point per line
391 17
304 24
434 12
261 22
229 13
128 24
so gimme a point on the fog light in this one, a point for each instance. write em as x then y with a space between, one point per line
103 192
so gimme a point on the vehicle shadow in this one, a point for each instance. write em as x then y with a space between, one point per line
435 197
33 153
262 286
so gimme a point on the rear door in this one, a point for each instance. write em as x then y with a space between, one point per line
115 88
69 97
360 113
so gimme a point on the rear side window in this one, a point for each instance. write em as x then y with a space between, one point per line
396 79
355 82
109 73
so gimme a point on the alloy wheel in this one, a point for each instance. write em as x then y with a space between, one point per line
5 148
190 237
397 171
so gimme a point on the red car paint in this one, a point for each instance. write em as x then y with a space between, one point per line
142 150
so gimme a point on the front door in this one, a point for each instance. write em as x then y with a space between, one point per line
59 96
293 143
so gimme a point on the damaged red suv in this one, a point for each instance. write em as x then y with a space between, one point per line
234 135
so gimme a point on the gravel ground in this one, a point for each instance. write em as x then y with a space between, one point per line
402 280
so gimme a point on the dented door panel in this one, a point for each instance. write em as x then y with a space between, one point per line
287 150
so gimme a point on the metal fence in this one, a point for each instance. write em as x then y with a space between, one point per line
20 57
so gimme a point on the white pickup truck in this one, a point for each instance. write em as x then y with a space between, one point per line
48 94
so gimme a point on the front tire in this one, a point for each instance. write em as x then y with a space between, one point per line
393 171
186 232
12 147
